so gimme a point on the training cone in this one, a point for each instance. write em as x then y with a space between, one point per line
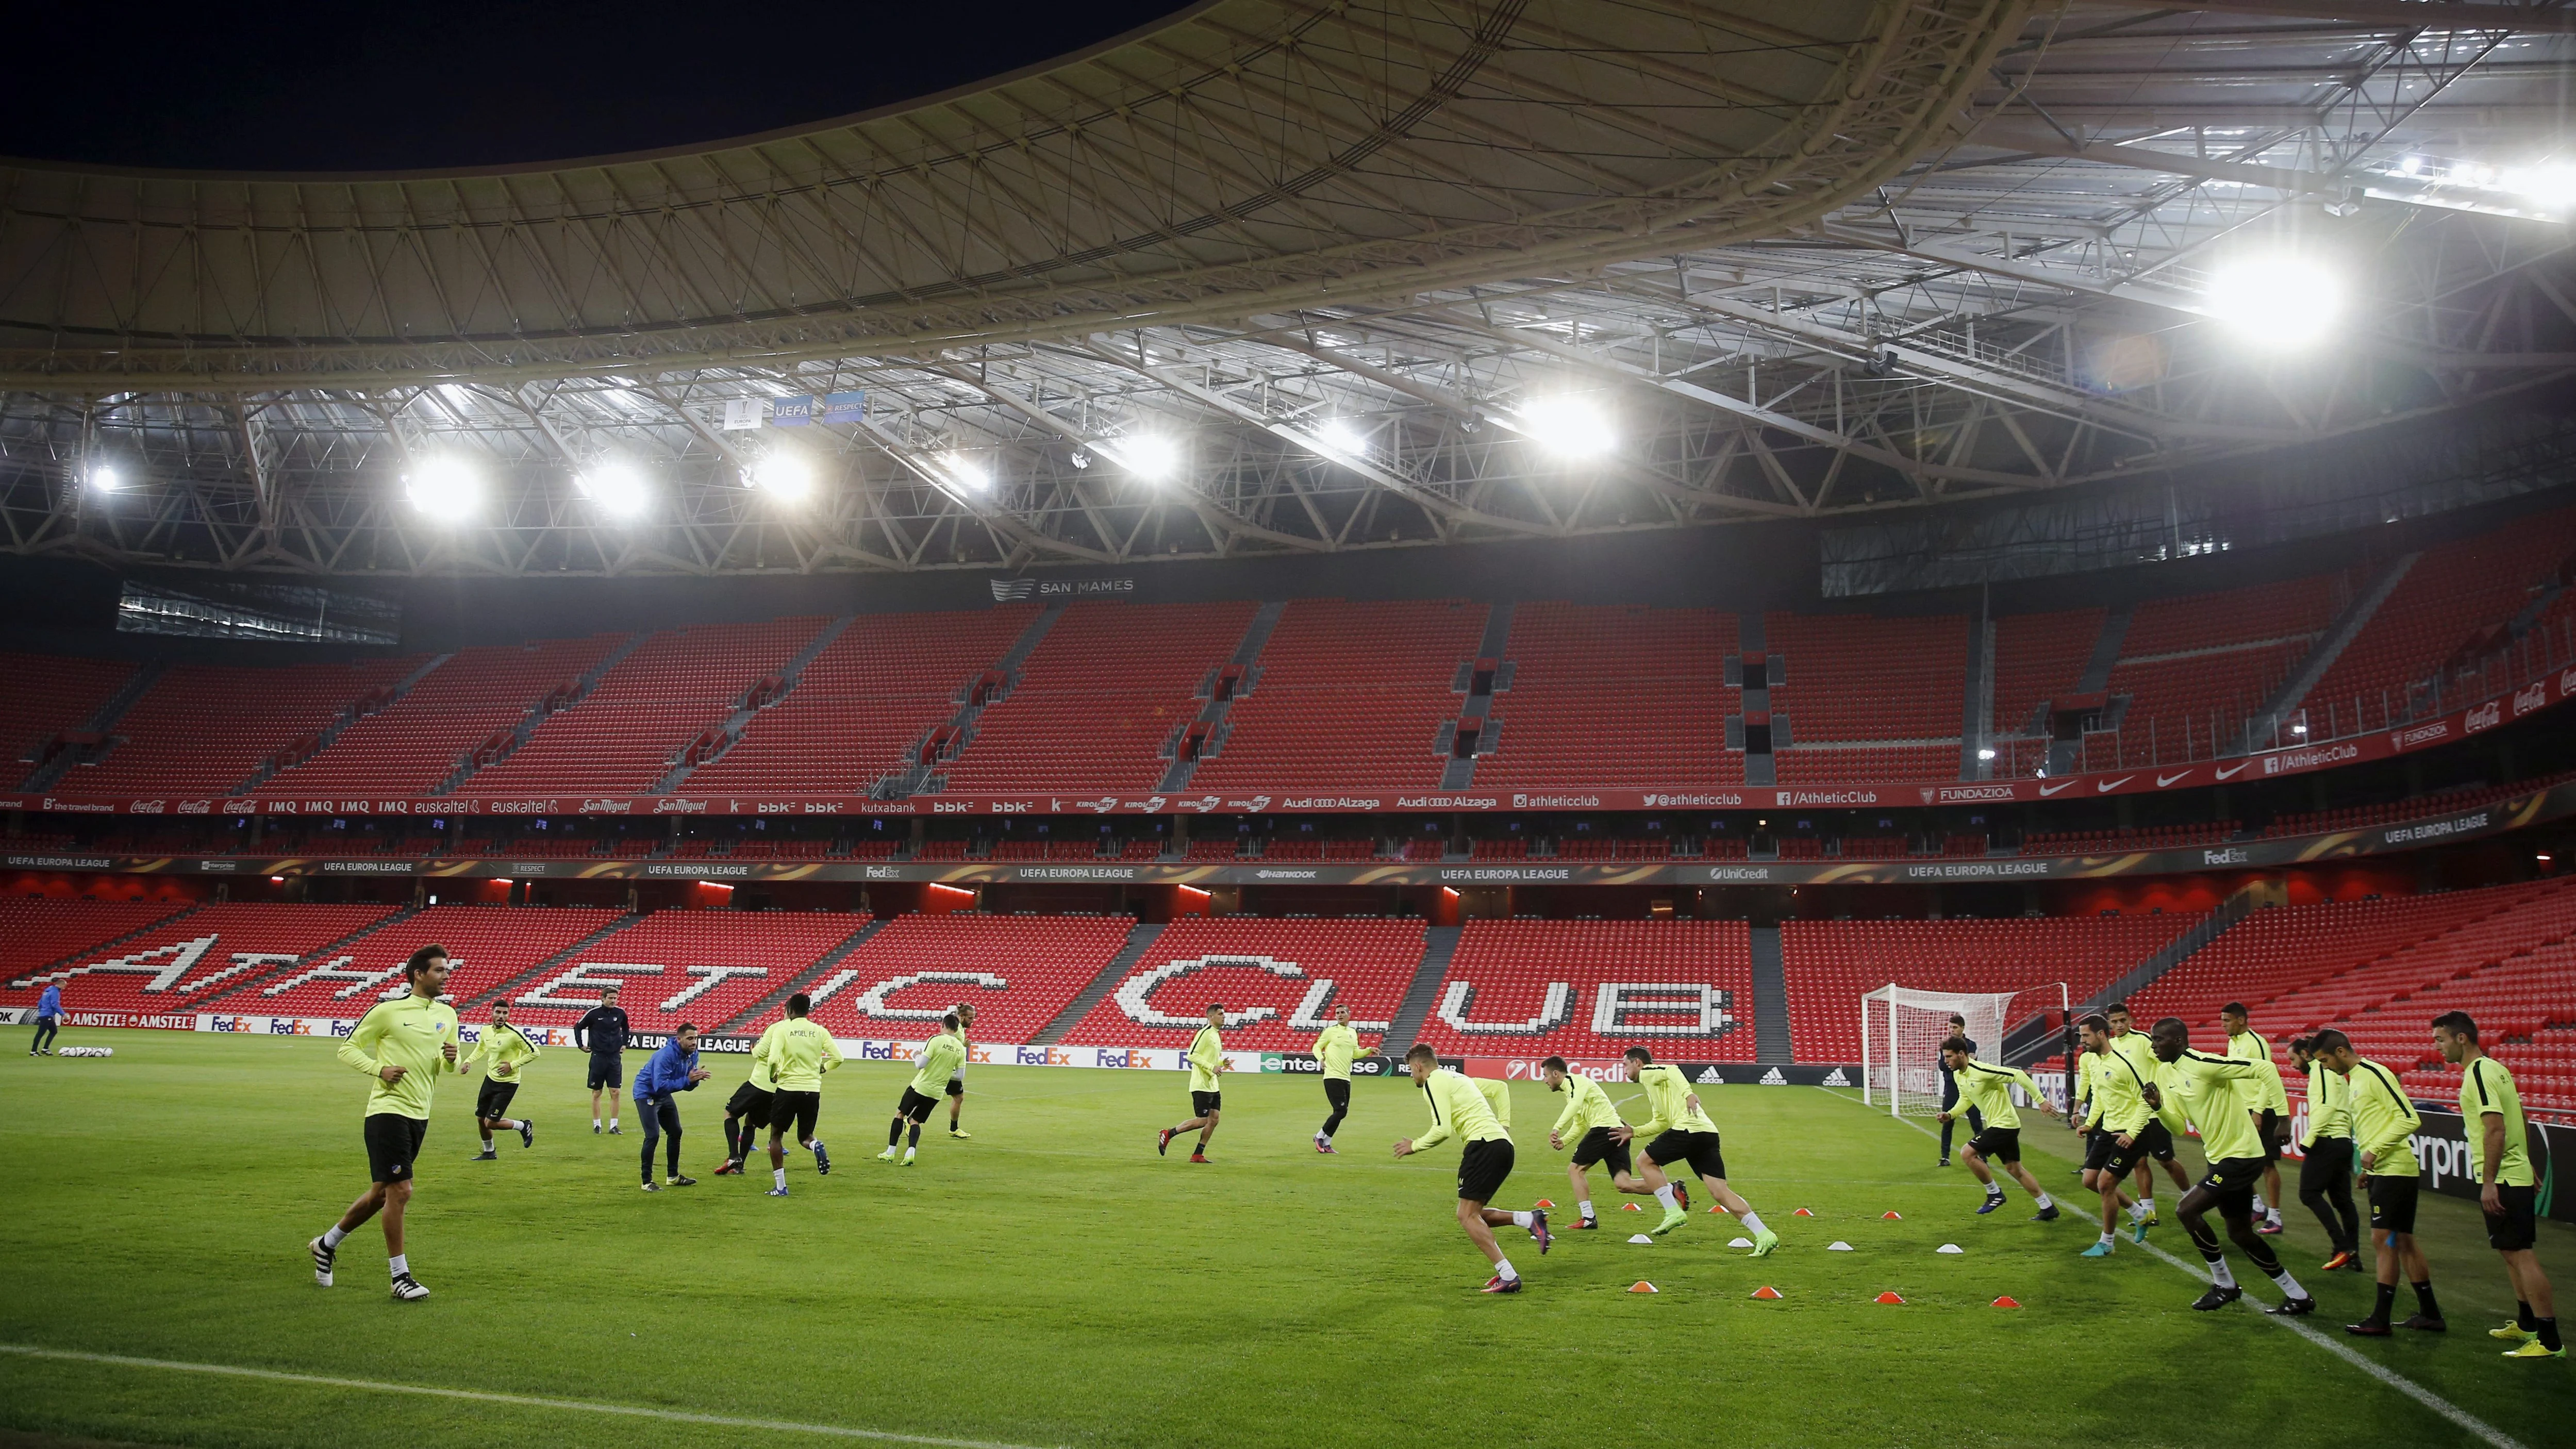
1629 1207
1838 1246
1739 1242
1889 1298
1642 1286
1892 1216
1544 1203
1949 1248
1640 1238
1766 1291
1802 1213
1717 1210
2004 1303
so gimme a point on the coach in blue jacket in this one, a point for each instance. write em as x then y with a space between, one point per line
672 1070
49 1019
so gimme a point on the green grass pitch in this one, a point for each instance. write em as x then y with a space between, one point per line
1054 1283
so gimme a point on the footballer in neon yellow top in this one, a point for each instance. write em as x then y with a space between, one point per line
1335 1046
2326 1157
403 1045
2134 1048
1587 1125
2500 1157
1987 1088
2384 1124
1464 1109
940 1057
2115 1124
505 1052
1206 1058
2268 1100
1683 1133
797 1051
2211 1091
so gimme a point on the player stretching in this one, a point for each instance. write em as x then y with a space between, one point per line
798 1053
1464 1109
939 1056
1207 1063
672 1069
2134 1048
2270 1104
603 1032
505 1052
1593 1121
1684 1134
404 1044
2325 1169
1334 1048
957 1079
2117 1125
2500 1156
2208 1089
1987 1090
746 1112
2384 1124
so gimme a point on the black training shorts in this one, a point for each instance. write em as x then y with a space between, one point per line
1482 1166
1998 1144
2154 1140
2392 1203
749 1103
493 1102
2327 1164
1598 1146
2516 1228
2117 1160
957 1086
2270 1126
2231 1182
607 1070
1202 1103
793 1113
2100 1146
393 1145
1699 1149
915 1107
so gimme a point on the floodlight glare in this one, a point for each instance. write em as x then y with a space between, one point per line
2280 304
784 476
1985 754
967 473
1340 439
104 479
2549 188
1150 455
1570 427
445 488
616 487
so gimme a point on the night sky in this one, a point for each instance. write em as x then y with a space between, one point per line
294 86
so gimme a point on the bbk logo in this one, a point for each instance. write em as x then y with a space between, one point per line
1835 1078
1774 1078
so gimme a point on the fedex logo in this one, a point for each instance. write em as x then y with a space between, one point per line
288 1026
979 1054
223 1023
343 1028
1041 1057
876 1051
1104 1057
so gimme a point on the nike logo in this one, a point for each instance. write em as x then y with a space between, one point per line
2234 770
2162 781
2107 786
2047 790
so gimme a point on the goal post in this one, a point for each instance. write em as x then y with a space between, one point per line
1901 1031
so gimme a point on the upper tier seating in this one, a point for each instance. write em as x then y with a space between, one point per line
2414 807
629 731
211 950
1275 968
1615 696
1830 964
1099 699
38 931
206 729
706 967
1862 677
865 702
1018 972
47 695
1683 989
2454 592
1349 694
413 744
2197 666
2040 657
486 945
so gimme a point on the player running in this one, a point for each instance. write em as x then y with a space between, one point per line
2384 1124
1950 1093
798 1053
2500 1157
1464 1109
1986 1089
2209 1090
404 1044
2269 1103
1683 1133
2119 1129
669 1071
1207 1063
603 1032
1335 1046
2140 1054
957 1079
2325 1166
746 1112
505 1052
939 1057
1592 1120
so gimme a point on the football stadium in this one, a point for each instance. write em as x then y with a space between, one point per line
1290 722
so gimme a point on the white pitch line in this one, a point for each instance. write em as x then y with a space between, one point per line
525 1401
2379 1371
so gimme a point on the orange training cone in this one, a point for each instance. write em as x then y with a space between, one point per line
1896 1217
1717 1209
2003 1303
1802 1213
1543 1202
1889 1298
1766 1291
1631 1207
1642 1286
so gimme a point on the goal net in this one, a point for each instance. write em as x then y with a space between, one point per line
1901 1031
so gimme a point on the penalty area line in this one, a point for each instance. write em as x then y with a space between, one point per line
523 1401
2379 1371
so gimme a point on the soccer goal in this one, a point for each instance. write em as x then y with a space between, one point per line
1901 1031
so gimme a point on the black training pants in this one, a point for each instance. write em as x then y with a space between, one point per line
661 1115
46 1026
1337 1093
2325 1185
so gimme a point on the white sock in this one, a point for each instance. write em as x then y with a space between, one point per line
487 1144
612 1121
2287 1284
2106 1240
332 1235
1522 1220
2044 1203
815 1146
2260 1211
594 1122
2219 1274
1504 1270
1664 1195
1994 1189
2146 1207
1751 1219
1586 1206
780 1174
909 1152
400 1263
2274 1217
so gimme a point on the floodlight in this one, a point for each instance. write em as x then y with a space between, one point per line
446 488
2549 188
616 487
1566 425
2278 303
105 479
1339 439
968 473
784 475
1149 456
1985 754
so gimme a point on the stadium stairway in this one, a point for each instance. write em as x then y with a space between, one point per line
1460 772
917 778
248 988
739 719
531 718
1247 657
1139 941
100 722
1439 944
819 972
1978 725
2182 948
2263 727
2064 756
1770 998
560 959
1759 767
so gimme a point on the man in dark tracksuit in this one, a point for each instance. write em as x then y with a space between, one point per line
1950 1093
603 1033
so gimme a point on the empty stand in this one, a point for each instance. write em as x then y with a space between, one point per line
1017 971
1100 700
38 932
49 696
486 945
2040 657
206 729
698 966
1862 677
1682 989
1614 696
2194 667
1290 973
2451 606
210 951
1349 694
412 744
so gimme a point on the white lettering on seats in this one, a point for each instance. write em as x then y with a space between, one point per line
180 956
1134 991
1617 1001
708 977
335 969
593 974
872 1002
1557 1010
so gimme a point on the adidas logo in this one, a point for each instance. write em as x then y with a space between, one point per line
1013 591
1710 1077
1835 1078
1774 1078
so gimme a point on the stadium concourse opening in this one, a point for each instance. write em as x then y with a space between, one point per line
1344 660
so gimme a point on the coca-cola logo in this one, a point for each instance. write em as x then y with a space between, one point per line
2528 699
2485 717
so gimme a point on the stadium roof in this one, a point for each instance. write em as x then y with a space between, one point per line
1277 276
